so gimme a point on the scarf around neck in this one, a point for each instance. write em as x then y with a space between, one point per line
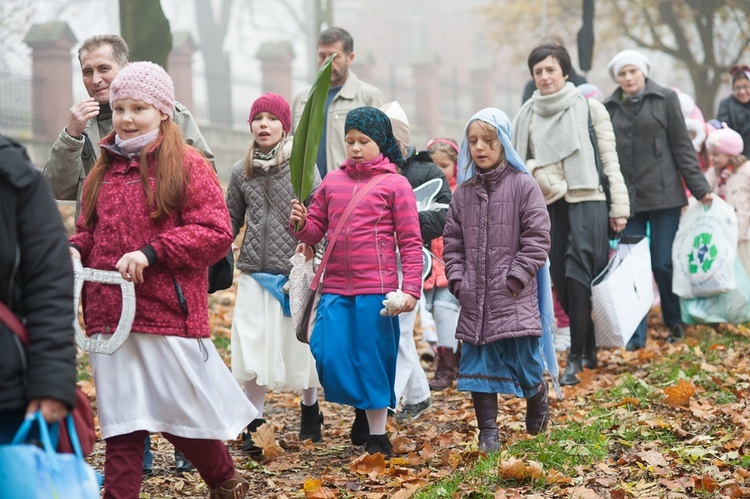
133 147
278 156
557 126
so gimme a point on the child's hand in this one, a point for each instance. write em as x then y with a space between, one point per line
397 302
299 214
411 304
306 250
131 266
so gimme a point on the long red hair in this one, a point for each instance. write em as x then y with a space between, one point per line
166 153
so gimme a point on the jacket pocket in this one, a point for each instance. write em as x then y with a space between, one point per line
382 255
658 147
181 300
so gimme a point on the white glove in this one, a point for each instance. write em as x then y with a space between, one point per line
395 300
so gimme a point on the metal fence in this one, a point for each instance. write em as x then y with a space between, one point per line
15 104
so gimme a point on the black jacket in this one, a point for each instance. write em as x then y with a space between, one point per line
38 289
418 169
737 117
655 150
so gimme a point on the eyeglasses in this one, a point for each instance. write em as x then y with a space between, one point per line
746 88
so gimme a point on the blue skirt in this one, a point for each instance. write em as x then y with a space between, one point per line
355 350
513 366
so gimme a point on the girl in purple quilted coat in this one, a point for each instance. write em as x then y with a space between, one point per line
496 239
153 210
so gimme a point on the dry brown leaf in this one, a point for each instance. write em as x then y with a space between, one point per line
617 494
606 469
556 477
679 396
519 470
653 458
586 377
427 452
705 483
367 464
265 438
583 493
406 492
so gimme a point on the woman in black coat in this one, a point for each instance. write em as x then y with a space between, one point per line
36 283
735 109
656 156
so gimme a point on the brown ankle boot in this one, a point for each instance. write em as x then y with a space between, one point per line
234 488
485 407
447 369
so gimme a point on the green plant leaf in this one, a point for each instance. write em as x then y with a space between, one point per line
309 132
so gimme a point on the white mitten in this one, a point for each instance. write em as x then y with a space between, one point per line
395 300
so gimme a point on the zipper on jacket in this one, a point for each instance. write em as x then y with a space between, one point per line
485 310
266 221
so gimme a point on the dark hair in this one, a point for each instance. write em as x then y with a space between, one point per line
739 73
335 34
545 50
119 47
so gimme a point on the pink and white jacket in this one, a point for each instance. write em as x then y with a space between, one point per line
364 257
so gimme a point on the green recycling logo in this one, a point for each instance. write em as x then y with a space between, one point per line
703 253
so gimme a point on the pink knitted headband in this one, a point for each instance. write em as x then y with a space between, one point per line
444 141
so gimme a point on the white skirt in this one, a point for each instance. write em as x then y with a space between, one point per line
168 384
264 346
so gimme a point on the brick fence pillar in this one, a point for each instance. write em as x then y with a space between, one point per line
427 94
180 64
276 66
52 77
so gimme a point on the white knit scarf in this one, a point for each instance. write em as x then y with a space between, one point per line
560 133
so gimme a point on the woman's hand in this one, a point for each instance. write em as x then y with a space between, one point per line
306 250
707 199
131 266
299 214
618 224
52 410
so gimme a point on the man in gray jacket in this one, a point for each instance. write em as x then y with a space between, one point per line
346 93
77 148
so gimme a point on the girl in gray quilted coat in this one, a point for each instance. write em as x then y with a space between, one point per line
265 350
496 239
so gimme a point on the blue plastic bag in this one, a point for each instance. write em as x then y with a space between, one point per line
31 472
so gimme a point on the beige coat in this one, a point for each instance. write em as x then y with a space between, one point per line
353 94
551 178
736 192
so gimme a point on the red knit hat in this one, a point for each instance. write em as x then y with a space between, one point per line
274 104
147 82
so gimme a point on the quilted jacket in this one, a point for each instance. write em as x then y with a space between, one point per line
268 244
172 300
363 260
498 226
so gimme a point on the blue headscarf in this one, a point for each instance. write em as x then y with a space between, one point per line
501 122
375 124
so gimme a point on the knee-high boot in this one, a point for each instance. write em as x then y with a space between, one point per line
485 407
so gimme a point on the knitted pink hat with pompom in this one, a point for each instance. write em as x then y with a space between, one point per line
146 82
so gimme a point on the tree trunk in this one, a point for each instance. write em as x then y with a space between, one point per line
212 32
145 28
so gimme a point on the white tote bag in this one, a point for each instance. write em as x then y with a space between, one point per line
622 294
704 250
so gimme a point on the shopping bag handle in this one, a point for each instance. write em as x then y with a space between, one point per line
28 422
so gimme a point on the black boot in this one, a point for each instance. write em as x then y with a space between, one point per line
312 420
248 445
589 352
485 407
537 410
360 428
589 359
573 366
379 444
676 333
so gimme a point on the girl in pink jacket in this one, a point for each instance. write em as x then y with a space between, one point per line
354 346
153 210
